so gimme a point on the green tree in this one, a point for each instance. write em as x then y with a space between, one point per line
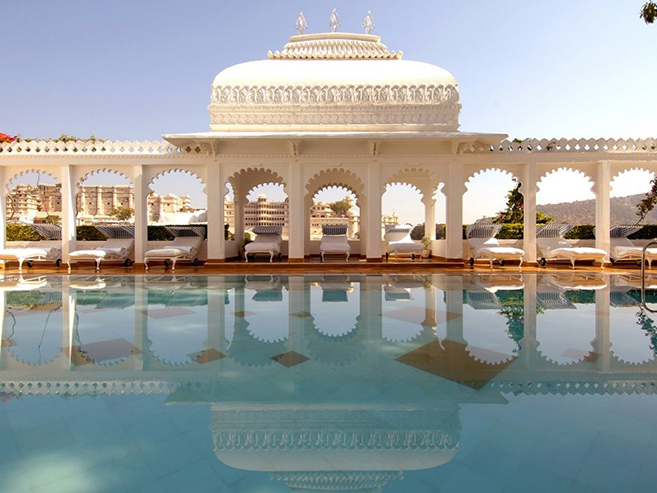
647 204
514 212
122 213
648 12
342 207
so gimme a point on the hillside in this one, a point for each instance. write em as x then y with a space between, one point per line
623 211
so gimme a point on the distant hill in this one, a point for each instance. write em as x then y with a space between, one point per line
623 211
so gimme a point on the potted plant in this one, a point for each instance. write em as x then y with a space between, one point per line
426 241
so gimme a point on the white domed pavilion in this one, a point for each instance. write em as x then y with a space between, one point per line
331 109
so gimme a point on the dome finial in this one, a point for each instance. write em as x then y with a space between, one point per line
334 21
301 25
368 23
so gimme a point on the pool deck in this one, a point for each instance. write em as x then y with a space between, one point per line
315 266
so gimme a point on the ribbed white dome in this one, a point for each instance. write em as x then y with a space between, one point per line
336 81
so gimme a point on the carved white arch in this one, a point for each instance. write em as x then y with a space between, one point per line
625 169
421 179
98 171
170 171
336 177
495 169
27 172
247 179
571 169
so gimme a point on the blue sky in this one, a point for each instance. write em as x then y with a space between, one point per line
134 70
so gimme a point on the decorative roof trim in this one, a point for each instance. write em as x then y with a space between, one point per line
335 46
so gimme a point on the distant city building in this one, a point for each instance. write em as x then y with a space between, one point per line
25 203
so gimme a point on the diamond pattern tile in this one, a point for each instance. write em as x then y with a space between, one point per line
5 343
102 351
301 314
291 358
450 360
171 312
207 355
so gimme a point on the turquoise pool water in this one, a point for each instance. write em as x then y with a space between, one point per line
392 383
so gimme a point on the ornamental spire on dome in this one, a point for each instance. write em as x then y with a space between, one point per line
301 25
334 21
368 23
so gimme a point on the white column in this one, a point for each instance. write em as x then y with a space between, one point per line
528 190
68 212
239 217
454 220
373 241
215 191
140 188
295 247
602 207
429 217
602 341
307 204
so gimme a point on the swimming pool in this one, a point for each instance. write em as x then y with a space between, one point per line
394 383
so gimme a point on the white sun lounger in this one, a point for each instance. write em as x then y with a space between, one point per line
552 246
267 241
183 247
484 245
45 251
117 246
334 241
623 249
400 242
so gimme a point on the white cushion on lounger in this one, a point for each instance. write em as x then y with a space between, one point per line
265 243
81 254
16 253
578 253
501 252
166 252
337 243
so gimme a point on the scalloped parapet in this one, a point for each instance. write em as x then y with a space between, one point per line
335 46
82 147
570 145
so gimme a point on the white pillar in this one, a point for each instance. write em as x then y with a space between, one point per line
429 217
307 204
68 212
215 189
295 247
239 217
528 190
602 207
602 341
454 197
374 248
140 188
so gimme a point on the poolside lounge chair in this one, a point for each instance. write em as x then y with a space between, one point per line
400 241
334 240
267 241
185 246
484 245
47 251
623 249
552 246
120 241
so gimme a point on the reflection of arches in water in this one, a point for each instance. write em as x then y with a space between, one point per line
93 342
633 334
565 336
265 306
335 307
493 339
33 326
335 450
249 351
178 330
335 349
403 309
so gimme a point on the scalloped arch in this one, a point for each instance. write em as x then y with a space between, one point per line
27 171
336 177
496 169
410 176
102 170
570 169
626 169
249 178
177 170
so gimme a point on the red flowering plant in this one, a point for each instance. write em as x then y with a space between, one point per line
4 138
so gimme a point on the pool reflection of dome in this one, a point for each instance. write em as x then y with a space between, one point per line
335 450
335 350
